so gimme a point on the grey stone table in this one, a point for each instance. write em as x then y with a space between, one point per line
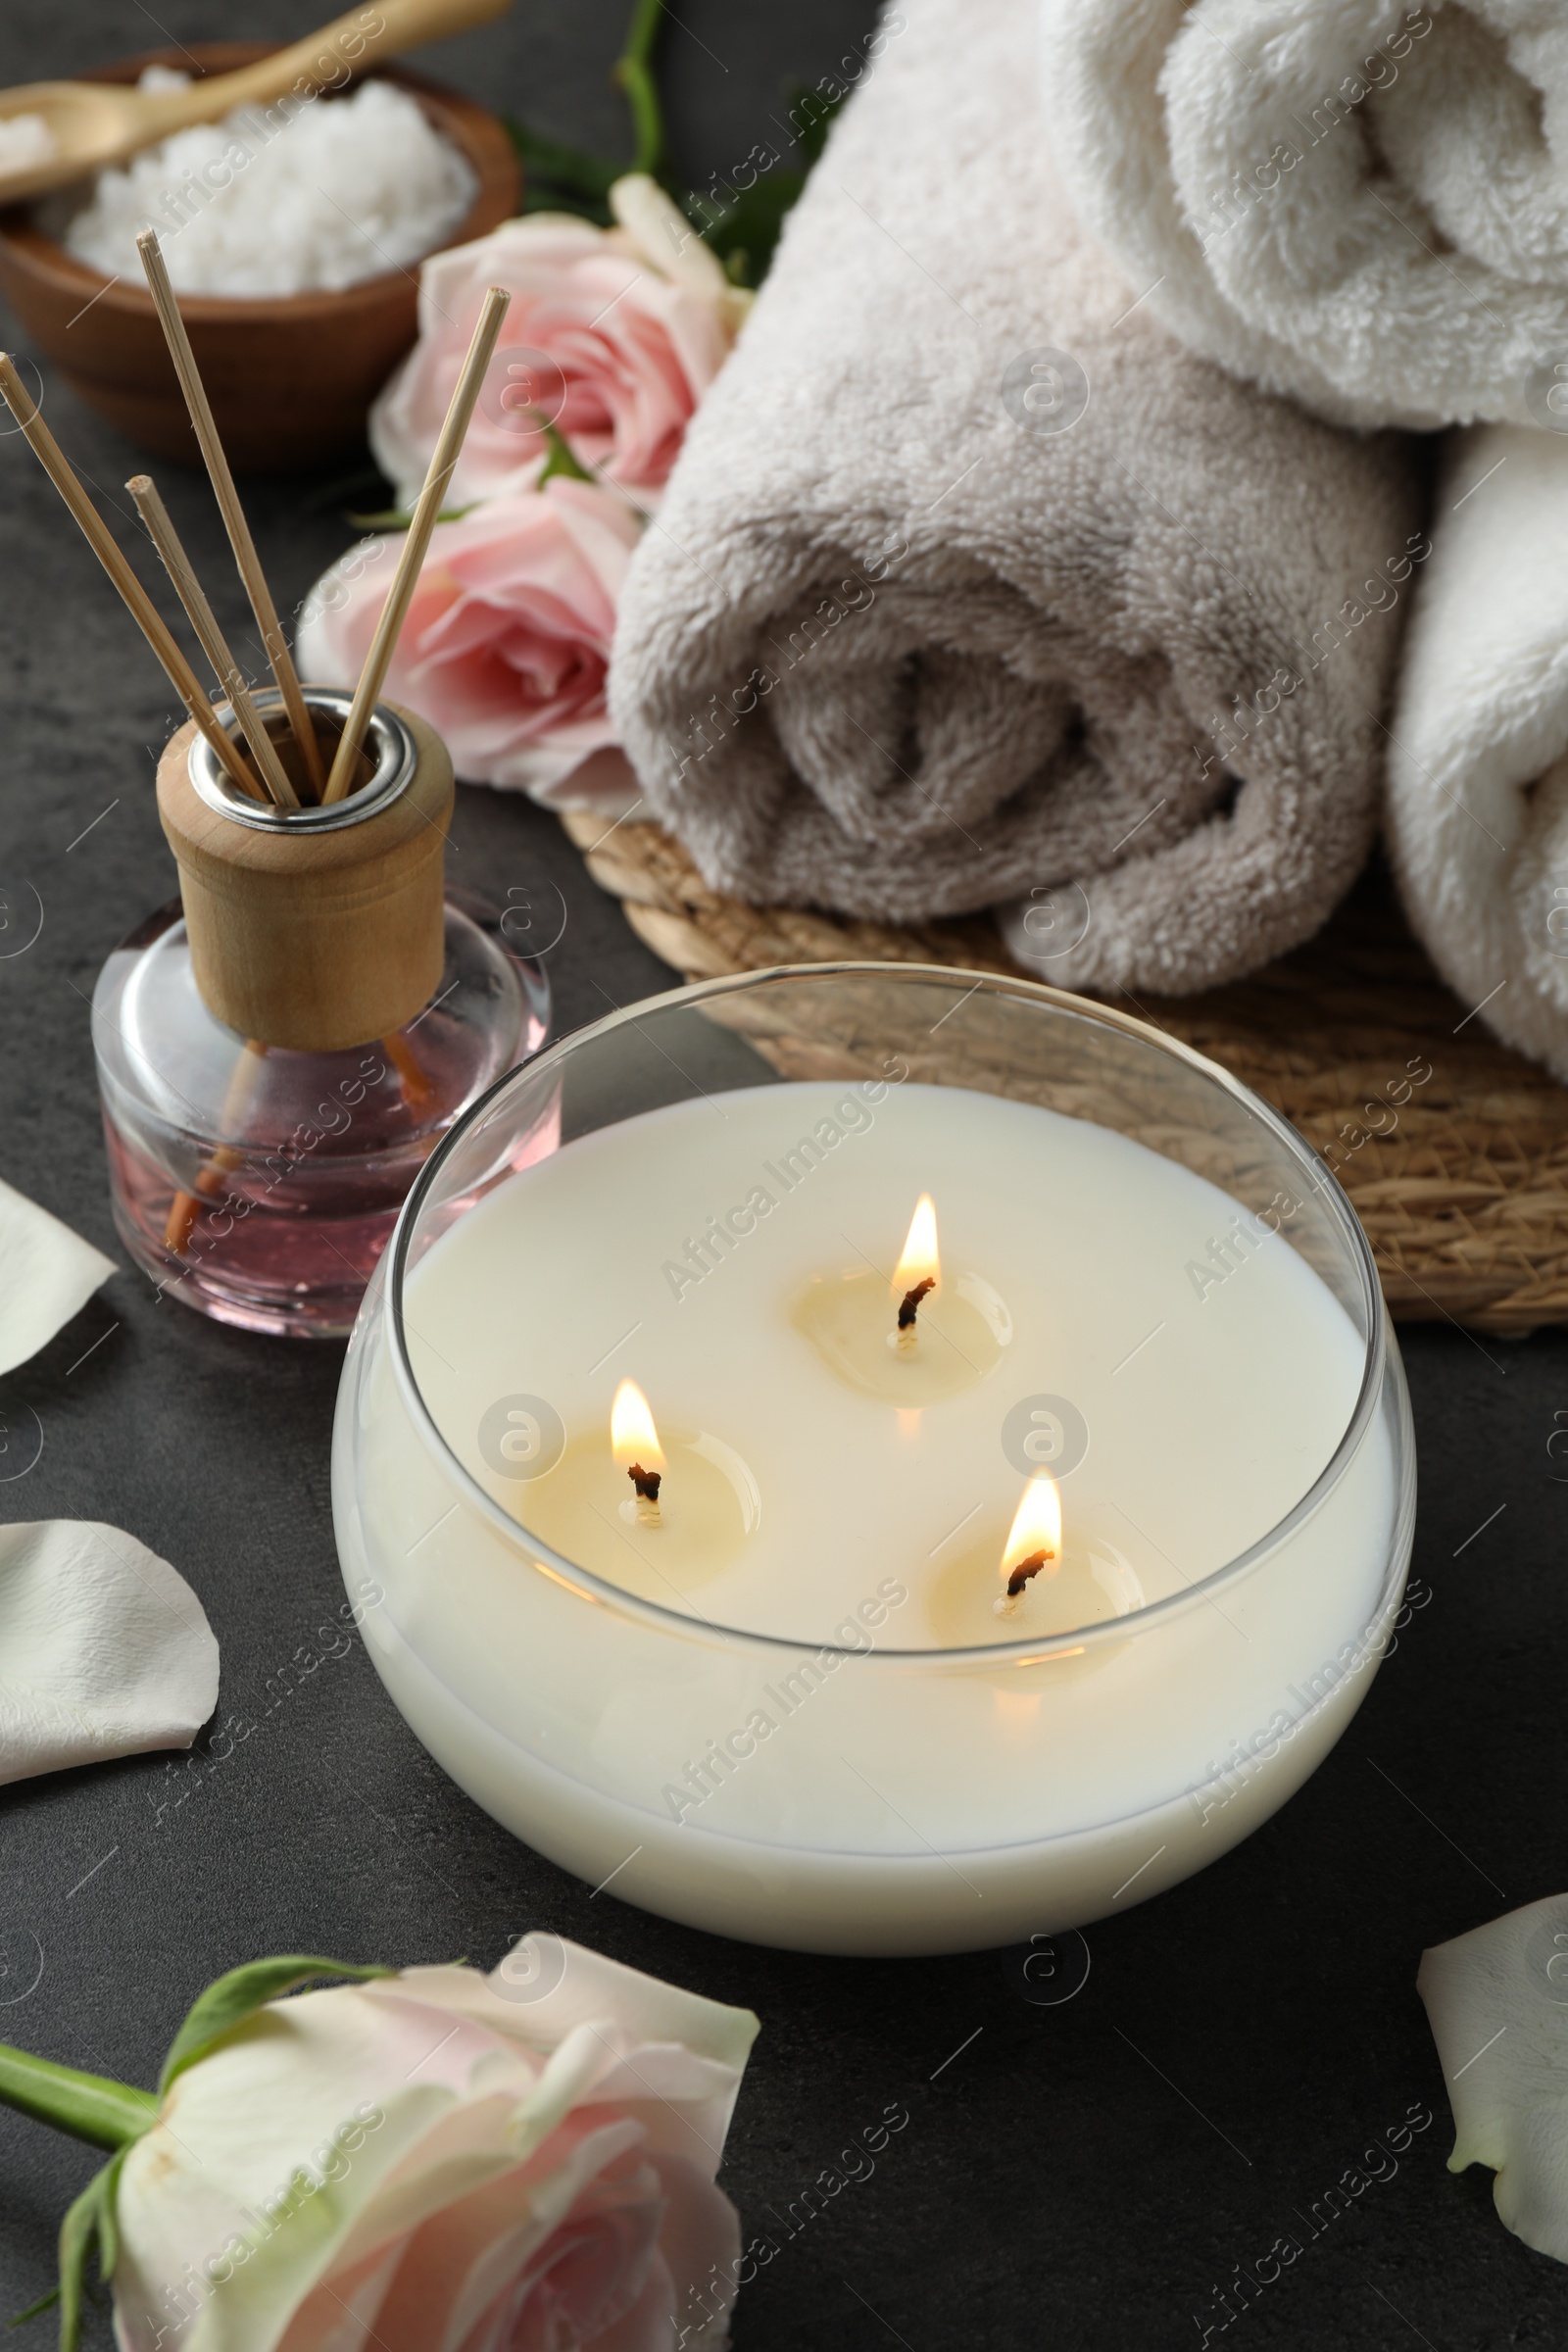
1084 2175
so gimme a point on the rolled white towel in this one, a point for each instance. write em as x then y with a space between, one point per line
971 585
1358 201
1478 765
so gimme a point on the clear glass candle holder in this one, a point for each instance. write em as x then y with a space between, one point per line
811 1715
258 1185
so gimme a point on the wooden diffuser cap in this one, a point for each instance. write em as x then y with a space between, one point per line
315 928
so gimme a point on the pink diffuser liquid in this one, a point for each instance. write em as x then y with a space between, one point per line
259 1185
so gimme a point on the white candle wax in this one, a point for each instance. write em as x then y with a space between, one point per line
773 1784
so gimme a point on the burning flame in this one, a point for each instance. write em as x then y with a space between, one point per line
919 1263
632 1434
1036 1529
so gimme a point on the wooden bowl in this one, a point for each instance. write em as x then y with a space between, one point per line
291 376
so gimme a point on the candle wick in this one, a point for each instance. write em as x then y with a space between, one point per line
910 1307
646 1485
1025 1569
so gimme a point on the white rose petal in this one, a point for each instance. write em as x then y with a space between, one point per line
47 1275
1497 2003
661 235
104 1649
546 1992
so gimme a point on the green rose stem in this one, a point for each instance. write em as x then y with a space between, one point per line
90 2107
633 71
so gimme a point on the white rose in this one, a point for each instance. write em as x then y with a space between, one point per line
443 2162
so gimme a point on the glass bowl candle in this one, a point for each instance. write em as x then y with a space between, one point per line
797 1653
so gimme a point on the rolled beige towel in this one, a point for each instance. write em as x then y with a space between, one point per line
970 585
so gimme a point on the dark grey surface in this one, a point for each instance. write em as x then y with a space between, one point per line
1080 2176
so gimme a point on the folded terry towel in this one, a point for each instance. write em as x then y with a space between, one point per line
1478 766
969 583
1355 201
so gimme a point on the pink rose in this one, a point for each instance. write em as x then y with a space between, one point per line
443 2162
506 643
614 337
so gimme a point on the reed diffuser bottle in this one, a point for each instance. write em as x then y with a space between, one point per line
278 1057
279 1050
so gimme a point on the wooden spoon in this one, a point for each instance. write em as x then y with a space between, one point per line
92 123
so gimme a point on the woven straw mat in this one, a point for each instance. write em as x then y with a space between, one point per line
1461 1178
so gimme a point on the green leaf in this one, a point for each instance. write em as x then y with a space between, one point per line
567 167
398 518
557 178
810 113
560 459
745 232
91 2217
234 1997
81 2226
108 2218
35 2311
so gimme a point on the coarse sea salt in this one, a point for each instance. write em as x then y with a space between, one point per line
306 195
25 139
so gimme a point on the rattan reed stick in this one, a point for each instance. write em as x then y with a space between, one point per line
233 513
203 621
186 1208
395 611
143 612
